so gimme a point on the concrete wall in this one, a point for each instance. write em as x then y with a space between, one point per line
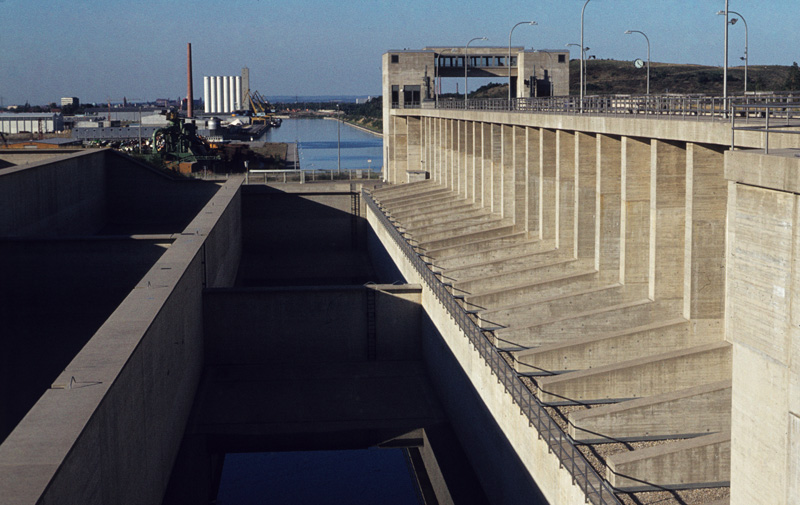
89 192
397 143
143 200
762 324
22 156
55 295
109 428
304 237
66 196
337 324
503 448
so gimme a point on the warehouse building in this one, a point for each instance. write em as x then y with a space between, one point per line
31 122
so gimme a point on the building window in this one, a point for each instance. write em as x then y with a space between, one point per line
395 58
562 58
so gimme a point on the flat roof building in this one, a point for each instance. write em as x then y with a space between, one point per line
412 78
31 122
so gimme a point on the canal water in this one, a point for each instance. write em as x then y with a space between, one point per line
317 144
369 476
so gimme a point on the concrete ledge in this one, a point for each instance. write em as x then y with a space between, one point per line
505 264
779 170
471 225
697 462
427 209
680 414
603 320
501 252
481 245
640 377
540 267
607 349
436 243
427 224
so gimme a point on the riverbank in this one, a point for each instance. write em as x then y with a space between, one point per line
358 127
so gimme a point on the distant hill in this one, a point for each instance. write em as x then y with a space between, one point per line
607 77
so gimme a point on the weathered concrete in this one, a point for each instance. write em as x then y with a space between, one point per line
674 466
761 323
543 288
536 251
605 349
541 266
512 239
485 408
685 413
640 377
108 429
342 324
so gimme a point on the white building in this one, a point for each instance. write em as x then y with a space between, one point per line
222 94
31 122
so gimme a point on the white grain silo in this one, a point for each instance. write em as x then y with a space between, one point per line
219 93
206 94
238 88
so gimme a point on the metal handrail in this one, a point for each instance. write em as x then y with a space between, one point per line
779 114
596 489
696 107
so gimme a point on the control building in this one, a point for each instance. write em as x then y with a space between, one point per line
410 77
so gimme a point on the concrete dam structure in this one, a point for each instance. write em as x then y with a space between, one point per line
570 308
632 271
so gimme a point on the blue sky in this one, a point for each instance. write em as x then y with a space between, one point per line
102 49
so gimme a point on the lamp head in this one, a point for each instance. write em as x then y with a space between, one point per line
627 32
734 20
533 23
720 13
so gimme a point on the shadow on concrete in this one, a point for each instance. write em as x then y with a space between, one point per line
302 239
502 474
56 294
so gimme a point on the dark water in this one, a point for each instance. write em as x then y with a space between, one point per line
317 140
372 476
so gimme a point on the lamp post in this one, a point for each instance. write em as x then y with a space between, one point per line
338 142
466 67
746 42
583 64
437 60
532 23
628 32
582 50
725 63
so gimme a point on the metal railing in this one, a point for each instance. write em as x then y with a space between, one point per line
766 117
313 175
657 106
596 489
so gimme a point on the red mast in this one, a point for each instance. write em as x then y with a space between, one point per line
189 89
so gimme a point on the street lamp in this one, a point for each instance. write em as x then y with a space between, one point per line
583 66
725 63
466 66
746 36
532 23
338 142
436 62
628 32
582 46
